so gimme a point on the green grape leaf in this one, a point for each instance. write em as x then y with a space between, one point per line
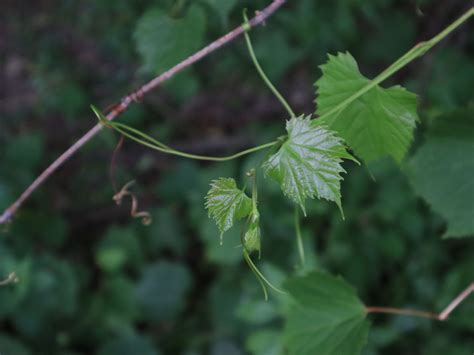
226 203
377 124
308 163
327 317
163 41
442 170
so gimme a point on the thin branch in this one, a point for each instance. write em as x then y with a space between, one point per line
403 312
454 303
136 96
421 314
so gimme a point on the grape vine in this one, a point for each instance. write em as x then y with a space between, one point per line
356 121
353 114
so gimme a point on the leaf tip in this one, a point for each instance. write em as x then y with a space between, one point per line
339 205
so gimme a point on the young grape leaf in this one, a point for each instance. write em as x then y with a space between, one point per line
327 318
442 170
162 41
308 163
226 203
379 123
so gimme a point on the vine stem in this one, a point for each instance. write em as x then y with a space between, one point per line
168 150
260 275
421 314
264 76
417 51
150 142
119 108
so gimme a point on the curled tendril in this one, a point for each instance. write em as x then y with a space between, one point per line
118 197
12 278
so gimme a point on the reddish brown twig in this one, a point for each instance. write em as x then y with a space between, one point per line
137 95
454 303
414 313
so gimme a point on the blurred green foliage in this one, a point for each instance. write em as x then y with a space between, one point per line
95 281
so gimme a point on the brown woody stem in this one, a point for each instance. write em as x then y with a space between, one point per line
421 314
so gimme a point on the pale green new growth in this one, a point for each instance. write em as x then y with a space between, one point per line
378 123
226 203
251 240
308 164
442 170
327 318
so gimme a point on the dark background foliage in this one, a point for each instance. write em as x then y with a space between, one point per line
95 281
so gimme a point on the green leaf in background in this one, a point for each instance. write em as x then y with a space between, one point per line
275 44
256 311
379 123
327 318
226 203
265 342
222 8
451 82
442 170
24 153
163 41
226 347
162 290
9 345
119 247
166 233
226 254
308 164
117 304
129 345
51 282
